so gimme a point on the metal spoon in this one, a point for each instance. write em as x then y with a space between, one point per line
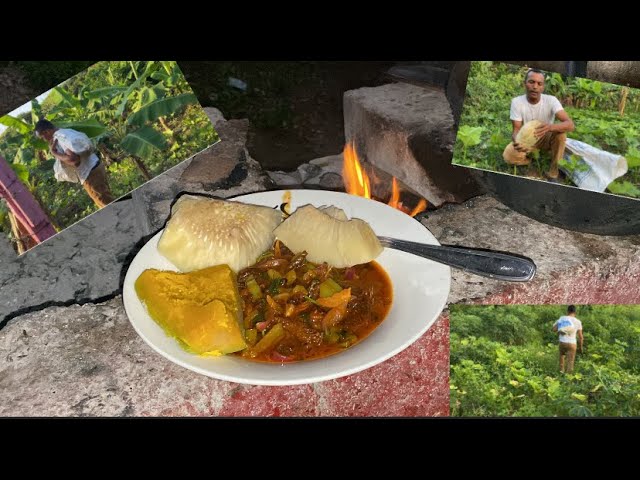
500 266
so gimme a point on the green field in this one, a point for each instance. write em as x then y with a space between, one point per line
504 362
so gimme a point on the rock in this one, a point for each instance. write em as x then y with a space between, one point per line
456 89
286 179
324 173
215 116
14 90
408 132
450 77
623 73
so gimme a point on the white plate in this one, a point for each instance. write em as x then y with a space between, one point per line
420 291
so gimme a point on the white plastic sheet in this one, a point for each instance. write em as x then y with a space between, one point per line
596 168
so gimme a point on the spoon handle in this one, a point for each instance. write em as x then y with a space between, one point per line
497 265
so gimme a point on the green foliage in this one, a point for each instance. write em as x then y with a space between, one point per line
469 136
105 93
15 123
624 188
504 362
90 127
143 141
21 172
68 100
573 164
593 106
160 108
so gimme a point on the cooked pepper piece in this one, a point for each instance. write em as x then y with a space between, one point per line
269 341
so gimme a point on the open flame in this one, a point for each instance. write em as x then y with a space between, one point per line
356 182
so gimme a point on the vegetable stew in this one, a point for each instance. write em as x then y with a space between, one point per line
298 310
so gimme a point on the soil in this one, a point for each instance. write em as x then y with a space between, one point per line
14 89
294 108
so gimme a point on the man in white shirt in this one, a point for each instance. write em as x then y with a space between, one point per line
569 329
76 161
535 105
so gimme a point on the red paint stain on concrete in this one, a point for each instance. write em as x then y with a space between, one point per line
413 383
263 401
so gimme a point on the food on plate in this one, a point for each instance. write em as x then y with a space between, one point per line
201 309
334 212
311 291
296 310
203 232
327 236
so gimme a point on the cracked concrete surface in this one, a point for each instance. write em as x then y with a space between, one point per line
82 263
88 361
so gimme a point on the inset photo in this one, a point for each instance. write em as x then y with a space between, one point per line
545 360
545 126
91 140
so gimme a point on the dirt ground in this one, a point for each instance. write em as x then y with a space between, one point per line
14 89
294 108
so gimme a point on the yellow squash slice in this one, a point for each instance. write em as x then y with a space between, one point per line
201 309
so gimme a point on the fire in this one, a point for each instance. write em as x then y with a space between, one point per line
356 182
355 178
421 206
395 194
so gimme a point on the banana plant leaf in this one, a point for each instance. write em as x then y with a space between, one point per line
91 127
19 125
143 142
160 108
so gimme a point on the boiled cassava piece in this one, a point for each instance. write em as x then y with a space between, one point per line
203 232
201 309
334 212
327 238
